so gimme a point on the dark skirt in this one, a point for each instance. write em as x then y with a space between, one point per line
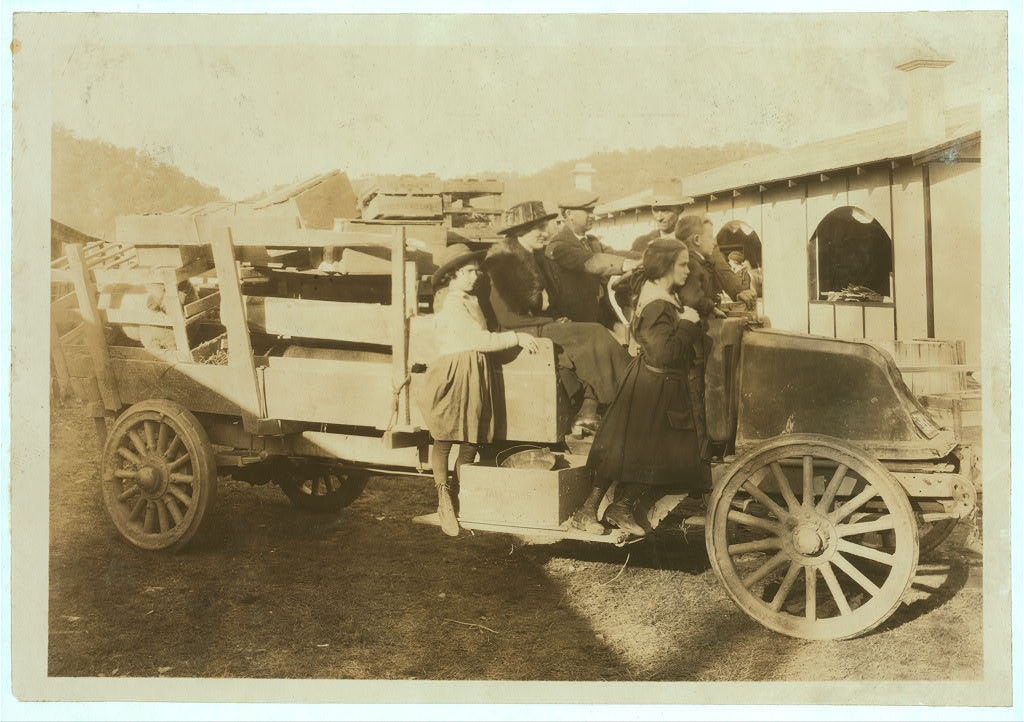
457 398
597 358
647 435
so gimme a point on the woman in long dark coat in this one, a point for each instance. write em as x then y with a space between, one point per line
647 441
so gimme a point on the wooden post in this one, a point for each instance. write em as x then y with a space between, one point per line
174 311
60 362
93 328
400 316
232 315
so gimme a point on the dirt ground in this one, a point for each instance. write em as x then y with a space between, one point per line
270 591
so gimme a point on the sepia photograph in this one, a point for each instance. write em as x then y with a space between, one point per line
437 358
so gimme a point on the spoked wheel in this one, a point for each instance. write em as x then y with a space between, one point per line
321 487
831 563
159 475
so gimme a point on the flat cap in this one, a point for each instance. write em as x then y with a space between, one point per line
578 200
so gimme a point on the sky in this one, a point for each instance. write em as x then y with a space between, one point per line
247 103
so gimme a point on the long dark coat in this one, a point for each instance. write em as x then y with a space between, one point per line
577 268
588 350
648 435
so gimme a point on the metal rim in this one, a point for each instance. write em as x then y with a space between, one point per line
812 537
158 475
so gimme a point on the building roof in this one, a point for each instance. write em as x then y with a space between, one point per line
886 143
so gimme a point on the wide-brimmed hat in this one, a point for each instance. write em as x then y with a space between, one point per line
524 215
670 200
452 258
578 200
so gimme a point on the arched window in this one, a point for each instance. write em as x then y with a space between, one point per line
738 237
850 258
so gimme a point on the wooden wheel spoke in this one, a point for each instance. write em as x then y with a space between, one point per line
137 442
835 589
760 545
766 500
127 493
161 438
855 574
867 552
787 584
182 478
129 456
754 521
172 508
808 485
866 527
853 504
784 487
811 593
179 462
764 570
137 508
126 474
150 519
163 518
172 449
148 428
180 495
832 488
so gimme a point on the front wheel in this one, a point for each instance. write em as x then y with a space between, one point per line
831 563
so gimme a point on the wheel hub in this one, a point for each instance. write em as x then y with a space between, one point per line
152 480
808 540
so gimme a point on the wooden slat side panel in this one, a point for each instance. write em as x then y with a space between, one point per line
197 387
92 326
328 320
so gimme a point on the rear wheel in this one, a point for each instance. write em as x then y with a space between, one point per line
812 537
158 474
321 487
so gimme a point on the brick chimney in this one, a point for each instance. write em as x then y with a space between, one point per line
583 177
926 102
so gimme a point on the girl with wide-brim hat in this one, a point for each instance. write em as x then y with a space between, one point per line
457 398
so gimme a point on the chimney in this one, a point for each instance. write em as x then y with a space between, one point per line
583 177
926 103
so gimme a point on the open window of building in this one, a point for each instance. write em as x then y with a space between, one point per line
736 237
850 258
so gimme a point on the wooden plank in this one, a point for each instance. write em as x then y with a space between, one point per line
909 250
60 275
400 330
330 320
472 186
784 252
397 206
821 319
205 303
232 315
880 323
330 392
357 449
198 387
93 326
142 275
849 321
60 363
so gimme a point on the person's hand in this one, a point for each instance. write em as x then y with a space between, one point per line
527 342
562 319
689 314
545 301
748 297
719 313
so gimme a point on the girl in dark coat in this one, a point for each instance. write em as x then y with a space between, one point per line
647 441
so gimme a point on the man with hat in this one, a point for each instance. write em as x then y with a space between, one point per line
591 363
665 207
578 263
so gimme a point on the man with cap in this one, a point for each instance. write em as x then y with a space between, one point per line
591 363
578 263
666 208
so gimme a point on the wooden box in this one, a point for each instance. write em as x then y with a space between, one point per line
523 497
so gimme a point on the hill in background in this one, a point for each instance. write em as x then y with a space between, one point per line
623 173
93 182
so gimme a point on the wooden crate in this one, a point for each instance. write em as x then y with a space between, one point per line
405 206
523 497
